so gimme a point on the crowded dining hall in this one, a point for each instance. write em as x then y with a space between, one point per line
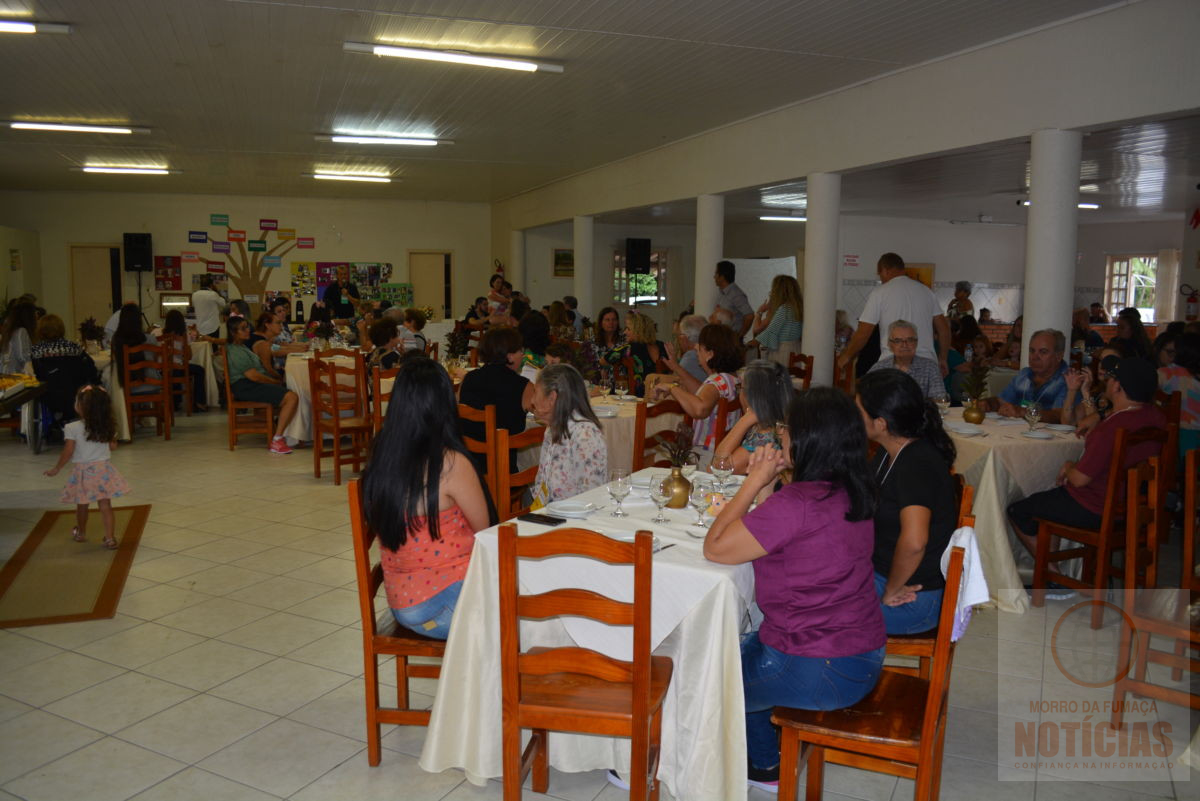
583 401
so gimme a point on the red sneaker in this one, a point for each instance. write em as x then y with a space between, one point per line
280 447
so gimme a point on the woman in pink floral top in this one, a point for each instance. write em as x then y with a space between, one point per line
574 455
720 355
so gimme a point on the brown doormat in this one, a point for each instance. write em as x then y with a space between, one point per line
53 579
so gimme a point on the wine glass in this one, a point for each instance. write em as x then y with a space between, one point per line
699 499
943 404
722 468
1033 413
622 386
619 485
660 493
690 463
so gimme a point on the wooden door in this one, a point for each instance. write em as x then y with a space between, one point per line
91 285
431 274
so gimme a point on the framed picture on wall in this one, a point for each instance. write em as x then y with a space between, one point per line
564 263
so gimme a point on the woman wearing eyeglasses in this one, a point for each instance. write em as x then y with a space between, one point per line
902 342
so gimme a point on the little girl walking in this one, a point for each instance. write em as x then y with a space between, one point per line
89 441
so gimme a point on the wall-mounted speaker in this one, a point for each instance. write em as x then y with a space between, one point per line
139 253
637 256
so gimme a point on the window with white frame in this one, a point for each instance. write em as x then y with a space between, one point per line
649 289
1130 281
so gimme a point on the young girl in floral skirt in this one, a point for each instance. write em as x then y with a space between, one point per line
89 442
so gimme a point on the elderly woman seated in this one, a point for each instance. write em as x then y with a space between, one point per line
720 356
767 392
902 342
63 367
250 381
574 456
385 336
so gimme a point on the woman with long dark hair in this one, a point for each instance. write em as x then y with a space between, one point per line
720 356
129 334
918 509
766 394
250 381
174 324
820 645
424 498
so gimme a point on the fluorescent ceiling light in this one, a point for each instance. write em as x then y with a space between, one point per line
452 57
127 170
773 218
74 128
368 177
382 140
13 26
1077 205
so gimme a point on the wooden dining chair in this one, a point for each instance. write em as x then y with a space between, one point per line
147 386
1165 613
1095 546
511 486
898 729
486 447
1171 404
379 396
801 366
721 426
843 378
643 443
339 408
1188 578
431 350
388 638
245 417
179 378
575 689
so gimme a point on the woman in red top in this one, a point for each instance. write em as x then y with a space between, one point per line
419 465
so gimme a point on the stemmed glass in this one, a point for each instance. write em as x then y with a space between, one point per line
722 468
660 493
699 499
943 404
1033 413
619 485
690 463
622 386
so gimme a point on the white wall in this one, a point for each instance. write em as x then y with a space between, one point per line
27 278
345 230
542 287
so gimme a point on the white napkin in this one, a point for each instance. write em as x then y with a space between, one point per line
973 588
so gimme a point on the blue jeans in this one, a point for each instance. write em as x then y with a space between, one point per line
916 617
431 617
772 678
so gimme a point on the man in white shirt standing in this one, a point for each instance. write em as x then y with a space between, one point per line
732 299
901 298
207 305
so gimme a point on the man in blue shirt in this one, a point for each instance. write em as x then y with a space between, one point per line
1043 382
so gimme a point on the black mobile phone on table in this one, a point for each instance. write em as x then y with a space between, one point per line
545 520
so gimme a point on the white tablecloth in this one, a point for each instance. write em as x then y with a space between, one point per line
1003 467
618 432
295 374
698 613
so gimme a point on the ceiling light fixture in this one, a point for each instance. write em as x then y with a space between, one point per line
383 139
452 57
117 169
1089 206
14 26
368 177
75 128
773 218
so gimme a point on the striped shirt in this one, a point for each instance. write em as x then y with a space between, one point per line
784 327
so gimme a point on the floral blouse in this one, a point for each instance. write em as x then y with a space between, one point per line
576 463
727 387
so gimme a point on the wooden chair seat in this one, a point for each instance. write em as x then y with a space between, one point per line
595 704
890 717
331 399
259 417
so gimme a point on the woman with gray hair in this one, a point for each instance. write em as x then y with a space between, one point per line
961 303
766 393
574 454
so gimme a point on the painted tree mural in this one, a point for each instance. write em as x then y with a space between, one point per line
245 267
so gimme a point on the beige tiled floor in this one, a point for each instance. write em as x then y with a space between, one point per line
233 667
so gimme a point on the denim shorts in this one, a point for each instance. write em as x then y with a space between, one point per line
431 617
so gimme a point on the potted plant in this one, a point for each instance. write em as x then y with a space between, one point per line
974 387
678 446
91 334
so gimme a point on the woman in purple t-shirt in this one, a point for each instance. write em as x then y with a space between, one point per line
821 642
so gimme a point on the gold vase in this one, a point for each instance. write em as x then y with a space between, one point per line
680 487
972 412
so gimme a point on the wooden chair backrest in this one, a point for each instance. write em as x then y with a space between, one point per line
368 573
1141 521
473 357
487 446
431 350
643 443
1188 579
937 700
843 379
379 396
175 345
801 367
331 396
721 426
1172 407
508 507
138 359
577 602
1114 498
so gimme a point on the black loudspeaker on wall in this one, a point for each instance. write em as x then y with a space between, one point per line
139 253
637 256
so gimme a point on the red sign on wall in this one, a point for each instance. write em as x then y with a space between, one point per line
237 236
306 242
268 225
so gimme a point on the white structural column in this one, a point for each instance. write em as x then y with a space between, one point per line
710 249
583 240
515 272
1051 235
819 280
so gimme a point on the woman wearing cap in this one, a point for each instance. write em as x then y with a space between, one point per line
961 303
